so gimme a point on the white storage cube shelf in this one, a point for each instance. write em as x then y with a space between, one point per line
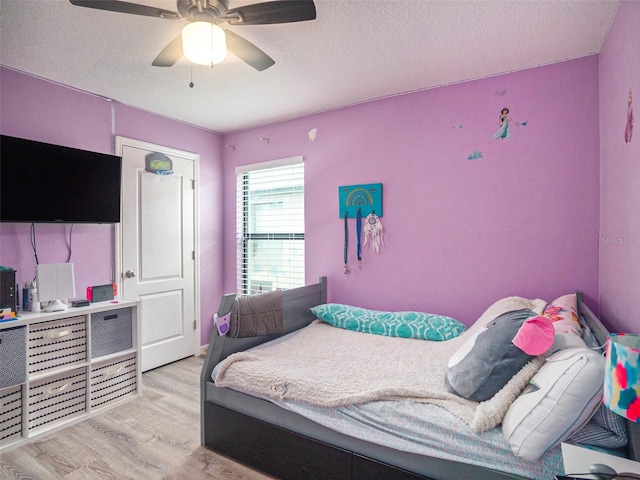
63 367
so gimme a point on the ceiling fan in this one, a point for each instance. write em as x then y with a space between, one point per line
213 12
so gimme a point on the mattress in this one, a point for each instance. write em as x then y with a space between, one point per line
407 426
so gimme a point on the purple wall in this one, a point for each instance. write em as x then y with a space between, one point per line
460 234
620 173
44 111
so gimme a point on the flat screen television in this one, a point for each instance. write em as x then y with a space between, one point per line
44 183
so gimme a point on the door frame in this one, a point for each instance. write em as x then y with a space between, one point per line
121 142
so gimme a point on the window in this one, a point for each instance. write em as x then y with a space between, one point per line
270 216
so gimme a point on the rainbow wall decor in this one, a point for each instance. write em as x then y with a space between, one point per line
368 198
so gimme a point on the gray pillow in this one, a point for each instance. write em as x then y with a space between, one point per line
483 365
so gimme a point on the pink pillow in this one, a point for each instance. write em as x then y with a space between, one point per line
563 312
535 336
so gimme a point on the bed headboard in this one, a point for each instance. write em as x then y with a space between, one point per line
297 304
601 334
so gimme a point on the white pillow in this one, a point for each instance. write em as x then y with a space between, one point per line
563 340
559 400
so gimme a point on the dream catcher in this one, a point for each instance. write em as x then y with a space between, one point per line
373 231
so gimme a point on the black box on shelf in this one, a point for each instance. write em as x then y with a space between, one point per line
8 292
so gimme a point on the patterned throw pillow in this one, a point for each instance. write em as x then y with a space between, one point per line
563 312
425 326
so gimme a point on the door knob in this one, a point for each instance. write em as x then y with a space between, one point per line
130 274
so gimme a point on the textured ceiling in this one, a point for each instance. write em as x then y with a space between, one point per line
355 51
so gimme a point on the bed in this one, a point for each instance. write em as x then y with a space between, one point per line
290 440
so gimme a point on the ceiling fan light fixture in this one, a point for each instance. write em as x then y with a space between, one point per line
204 43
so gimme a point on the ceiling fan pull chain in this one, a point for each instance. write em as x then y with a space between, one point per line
191 82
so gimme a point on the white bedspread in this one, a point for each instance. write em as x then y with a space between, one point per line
330 367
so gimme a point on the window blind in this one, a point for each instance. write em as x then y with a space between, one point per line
270 226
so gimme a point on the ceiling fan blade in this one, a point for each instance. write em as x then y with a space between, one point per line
247 51
169 54
283 11
126 7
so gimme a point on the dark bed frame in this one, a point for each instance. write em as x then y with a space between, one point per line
290 446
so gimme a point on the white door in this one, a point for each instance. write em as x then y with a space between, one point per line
158 246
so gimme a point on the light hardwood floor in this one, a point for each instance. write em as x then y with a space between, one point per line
153 437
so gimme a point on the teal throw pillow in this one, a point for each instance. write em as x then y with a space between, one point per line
425 326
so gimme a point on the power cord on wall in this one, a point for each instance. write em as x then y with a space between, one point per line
69 244
32 239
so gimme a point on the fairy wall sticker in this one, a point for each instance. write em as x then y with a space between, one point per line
628 131
504 122
503 131
505 126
